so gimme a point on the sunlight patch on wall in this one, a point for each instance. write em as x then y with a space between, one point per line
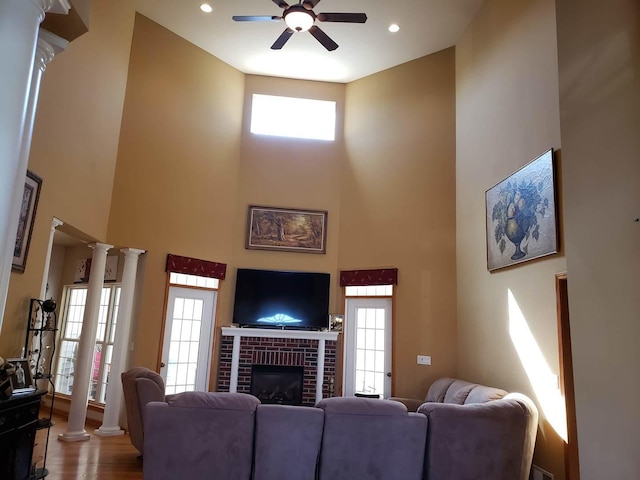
541 377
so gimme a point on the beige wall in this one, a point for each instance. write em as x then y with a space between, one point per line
177 175
398 206
599 59
184 182
74 147
507 114
160 202
287 172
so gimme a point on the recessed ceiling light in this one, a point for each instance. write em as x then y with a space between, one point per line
393 28
206 8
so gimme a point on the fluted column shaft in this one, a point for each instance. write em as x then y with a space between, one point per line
84 358
113 404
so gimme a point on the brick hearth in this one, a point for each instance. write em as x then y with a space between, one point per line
277 347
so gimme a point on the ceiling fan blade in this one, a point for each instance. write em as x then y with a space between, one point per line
281 3
310 4
256 18
323 38
342 17
282 39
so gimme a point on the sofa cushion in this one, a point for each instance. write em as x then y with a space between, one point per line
200 435
482 393
458 392
287 442
219 401
361 406
438 389
371 439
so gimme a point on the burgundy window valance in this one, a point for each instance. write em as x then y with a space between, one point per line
360 278
193 266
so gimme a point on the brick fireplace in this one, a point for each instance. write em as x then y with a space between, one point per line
242 348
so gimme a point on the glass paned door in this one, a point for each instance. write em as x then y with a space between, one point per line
368 347
186 352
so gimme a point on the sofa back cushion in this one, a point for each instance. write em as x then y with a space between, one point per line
287 442
482 393
458 392
438 389
200 435
371 439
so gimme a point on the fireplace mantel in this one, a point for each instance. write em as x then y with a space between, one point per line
256 333
277 333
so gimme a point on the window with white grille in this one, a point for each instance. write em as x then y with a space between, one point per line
75 299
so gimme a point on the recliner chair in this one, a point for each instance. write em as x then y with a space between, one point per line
140 386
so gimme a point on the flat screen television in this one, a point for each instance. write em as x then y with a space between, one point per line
279 299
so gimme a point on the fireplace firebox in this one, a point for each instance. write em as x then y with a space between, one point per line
277 384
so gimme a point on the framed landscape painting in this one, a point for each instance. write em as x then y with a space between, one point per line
286 229
30 197
521 215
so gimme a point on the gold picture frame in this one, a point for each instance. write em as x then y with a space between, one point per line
286 229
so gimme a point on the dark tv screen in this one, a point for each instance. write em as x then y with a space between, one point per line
271 298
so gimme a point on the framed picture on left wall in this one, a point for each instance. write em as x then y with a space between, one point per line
21 380
32 186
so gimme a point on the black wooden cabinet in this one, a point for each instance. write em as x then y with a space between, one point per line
18 425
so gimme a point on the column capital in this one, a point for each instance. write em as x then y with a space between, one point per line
48 46
132 251
42 7
53 6
97 246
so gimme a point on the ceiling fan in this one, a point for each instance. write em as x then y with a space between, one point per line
300 18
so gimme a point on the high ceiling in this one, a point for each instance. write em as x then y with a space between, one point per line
426 26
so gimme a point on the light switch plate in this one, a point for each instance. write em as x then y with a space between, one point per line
424 360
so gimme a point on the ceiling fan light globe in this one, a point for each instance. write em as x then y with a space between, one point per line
300 21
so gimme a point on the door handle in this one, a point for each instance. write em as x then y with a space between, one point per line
389 374
162 365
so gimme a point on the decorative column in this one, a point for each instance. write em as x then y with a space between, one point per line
110 426
84 358
47 47
55 223
19 22
43 384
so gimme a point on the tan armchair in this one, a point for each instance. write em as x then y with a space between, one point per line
140 386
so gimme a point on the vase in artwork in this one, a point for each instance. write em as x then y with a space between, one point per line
515 234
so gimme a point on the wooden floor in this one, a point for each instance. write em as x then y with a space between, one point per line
103 458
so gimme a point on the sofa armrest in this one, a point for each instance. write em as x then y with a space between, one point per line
488 440
170 397
412 404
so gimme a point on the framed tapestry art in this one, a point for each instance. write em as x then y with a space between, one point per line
521 215
30 197
287 229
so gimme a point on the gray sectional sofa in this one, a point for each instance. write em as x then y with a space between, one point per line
231 436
